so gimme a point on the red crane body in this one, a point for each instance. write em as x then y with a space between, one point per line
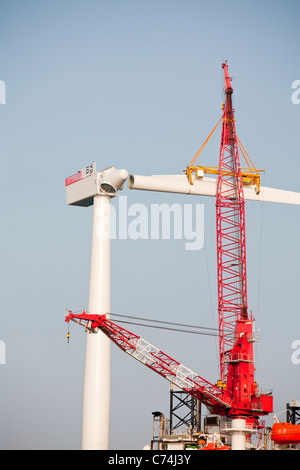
231 240
236 394
235 326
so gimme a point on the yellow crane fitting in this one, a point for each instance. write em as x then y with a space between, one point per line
250 175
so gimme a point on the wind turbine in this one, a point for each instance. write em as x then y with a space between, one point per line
86 188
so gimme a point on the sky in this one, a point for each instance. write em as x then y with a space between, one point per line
138 85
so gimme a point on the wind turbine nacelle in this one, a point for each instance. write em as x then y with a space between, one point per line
83 186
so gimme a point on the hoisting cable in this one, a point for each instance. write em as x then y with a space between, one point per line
169 329
68 337
208 331
204 143
163 322
195 329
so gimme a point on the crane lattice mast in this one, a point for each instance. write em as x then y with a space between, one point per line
231 238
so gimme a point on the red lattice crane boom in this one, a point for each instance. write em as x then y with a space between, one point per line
231 239
235 324
216 400
155 359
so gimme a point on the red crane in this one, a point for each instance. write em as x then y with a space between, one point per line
216 399
235 325
236 393
213 397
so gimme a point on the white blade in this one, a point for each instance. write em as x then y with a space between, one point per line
207 187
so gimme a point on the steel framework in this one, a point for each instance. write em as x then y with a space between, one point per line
231 239
216 400
185 410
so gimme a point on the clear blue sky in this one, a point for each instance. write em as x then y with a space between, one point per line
136 84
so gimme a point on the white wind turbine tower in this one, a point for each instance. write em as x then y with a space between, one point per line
86 188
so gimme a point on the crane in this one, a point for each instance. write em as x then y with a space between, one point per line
215 398
179 375
236 347
236 393
235 323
